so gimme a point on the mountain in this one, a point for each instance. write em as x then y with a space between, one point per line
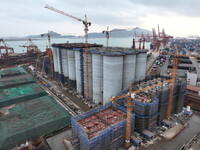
53 35
121 33
115 33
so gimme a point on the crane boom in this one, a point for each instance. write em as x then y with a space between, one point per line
63 13
86 24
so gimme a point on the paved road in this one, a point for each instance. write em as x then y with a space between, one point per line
181 139
151 61
55 142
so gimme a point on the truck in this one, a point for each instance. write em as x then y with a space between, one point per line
46 84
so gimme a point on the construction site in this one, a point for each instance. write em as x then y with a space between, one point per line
89 96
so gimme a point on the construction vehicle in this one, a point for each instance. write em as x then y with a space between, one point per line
46 84
86 24
131 95
31 47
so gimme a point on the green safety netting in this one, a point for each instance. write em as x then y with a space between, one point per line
31 119
19 94
12 72
16 82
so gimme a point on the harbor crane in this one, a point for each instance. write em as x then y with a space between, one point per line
131 95
5 50
86 25
31 47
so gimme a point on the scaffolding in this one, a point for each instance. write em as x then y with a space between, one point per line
111 133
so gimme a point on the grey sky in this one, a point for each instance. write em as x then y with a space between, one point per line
29 17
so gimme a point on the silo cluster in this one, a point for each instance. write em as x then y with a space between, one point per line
110 69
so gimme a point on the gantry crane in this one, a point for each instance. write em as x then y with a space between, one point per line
86 24
5 50
131 95
31 47
48 53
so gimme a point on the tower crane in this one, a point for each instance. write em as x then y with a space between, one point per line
131 95
175 67
107 32
48 53
86 24
107 35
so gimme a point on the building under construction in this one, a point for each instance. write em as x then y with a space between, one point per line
102 128
148 112
111 69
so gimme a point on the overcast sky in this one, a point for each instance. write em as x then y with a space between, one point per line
29 17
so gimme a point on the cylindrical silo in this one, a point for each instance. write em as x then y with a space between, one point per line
112 76
65 65
71 68
55 62
90 75
97 78
78 71
59 53
140 70
128 70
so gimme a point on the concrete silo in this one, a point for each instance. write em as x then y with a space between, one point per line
129 69
97 77
71 68
112 76
55 62
140 69
65 65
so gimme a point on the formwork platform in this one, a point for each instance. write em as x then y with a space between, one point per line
102 128
16 82
12 72
31 119
20 94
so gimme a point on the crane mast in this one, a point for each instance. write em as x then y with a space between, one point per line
175 66
48 53
107 35
86 24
